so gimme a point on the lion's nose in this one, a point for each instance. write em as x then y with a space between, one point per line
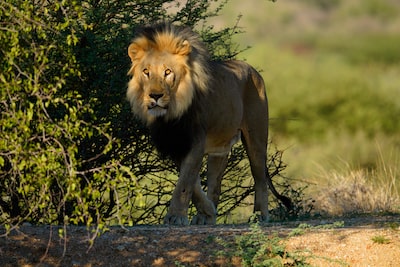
156 96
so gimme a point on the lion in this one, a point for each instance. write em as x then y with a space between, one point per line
194 106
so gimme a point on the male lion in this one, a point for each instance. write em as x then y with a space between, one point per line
194 106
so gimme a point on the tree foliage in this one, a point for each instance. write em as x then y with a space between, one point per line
70 149
45 119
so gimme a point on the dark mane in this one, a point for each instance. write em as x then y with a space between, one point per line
179 31
174 138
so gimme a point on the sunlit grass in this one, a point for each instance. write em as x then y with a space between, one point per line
351 190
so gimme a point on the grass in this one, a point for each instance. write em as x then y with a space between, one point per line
358 191
380 239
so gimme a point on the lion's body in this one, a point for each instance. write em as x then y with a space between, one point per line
194 106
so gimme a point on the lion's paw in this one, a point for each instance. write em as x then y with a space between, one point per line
176 220
203 219
257 217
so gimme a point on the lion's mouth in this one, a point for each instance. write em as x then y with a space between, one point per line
157 110
157 105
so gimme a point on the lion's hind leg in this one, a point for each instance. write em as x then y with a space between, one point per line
257 157
216 166
255 138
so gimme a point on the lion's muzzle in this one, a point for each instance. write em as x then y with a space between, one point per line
156 107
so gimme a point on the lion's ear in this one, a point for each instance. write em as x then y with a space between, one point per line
138 47
185 48
133 51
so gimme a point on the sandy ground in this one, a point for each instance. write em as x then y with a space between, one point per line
351 245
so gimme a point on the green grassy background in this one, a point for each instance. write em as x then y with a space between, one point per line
332 69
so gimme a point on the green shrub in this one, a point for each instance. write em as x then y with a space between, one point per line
380 239
257 248
44 119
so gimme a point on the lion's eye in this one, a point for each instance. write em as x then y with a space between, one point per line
146 72
167 72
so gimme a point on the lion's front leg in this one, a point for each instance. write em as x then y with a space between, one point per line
178 209
183 192
206 211
206 205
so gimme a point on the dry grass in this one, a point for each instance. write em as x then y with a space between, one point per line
358 191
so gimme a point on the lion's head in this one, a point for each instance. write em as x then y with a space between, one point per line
170 65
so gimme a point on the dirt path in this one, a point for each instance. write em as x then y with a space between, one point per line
363 241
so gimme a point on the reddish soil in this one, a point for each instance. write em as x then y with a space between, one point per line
363 241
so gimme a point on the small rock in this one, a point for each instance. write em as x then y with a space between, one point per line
121 248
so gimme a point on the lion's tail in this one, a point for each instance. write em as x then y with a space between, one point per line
285 200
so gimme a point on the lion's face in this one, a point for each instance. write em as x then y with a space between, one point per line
161 84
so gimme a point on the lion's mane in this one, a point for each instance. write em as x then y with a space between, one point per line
174 133
194 63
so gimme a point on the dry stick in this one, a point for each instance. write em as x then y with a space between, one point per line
48 245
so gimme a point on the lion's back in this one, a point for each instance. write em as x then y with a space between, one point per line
237 79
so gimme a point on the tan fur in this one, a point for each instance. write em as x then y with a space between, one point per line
173 78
